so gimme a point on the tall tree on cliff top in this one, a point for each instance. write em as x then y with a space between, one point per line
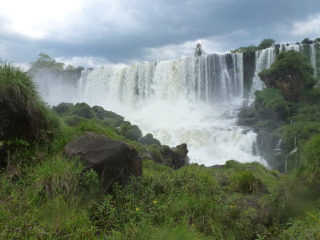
266 43
198 51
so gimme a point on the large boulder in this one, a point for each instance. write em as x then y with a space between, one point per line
113 161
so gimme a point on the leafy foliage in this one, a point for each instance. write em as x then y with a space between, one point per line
198 51
82 110
311 156
266 43
291 63
270 103
19 98
45 62
250 48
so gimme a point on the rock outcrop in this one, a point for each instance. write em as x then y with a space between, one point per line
175 157
290 85
113 161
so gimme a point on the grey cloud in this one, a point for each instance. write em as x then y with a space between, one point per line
124 31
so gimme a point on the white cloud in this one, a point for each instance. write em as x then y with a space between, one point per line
37 19
68 21
307 28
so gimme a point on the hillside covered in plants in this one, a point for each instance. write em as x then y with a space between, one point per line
44 194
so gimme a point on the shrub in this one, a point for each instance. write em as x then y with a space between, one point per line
24 116
18 95
62 108
155 154
57 176
82 110
270 104
124 128
132 132
266 43
312 95
149 139
99 111
298 133
73 120
311 164
245 182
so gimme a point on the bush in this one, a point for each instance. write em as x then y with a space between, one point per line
57 176
270 104
149 139
132 132
62 108
82 110
73 120
155 153
312 95
24 116
311 161
245 182
266 43
99 111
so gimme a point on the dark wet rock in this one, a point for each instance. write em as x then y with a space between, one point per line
113 161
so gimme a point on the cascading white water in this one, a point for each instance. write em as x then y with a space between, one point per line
193 100
263 60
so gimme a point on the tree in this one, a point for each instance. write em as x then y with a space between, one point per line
307 41
266 43
198 51
250 48
70 67
45 62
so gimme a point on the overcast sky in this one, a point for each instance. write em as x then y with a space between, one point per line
104 32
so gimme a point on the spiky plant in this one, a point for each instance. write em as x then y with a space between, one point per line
21 104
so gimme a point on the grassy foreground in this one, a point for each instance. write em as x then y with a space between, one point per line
45 196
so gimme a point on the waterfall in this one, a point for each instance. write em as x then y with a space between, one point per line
193 100
263 60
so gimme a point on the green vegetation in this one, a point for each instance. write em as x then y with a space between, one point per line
294 64
270 104
25 120
265 43
46 63
43 195
198 51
